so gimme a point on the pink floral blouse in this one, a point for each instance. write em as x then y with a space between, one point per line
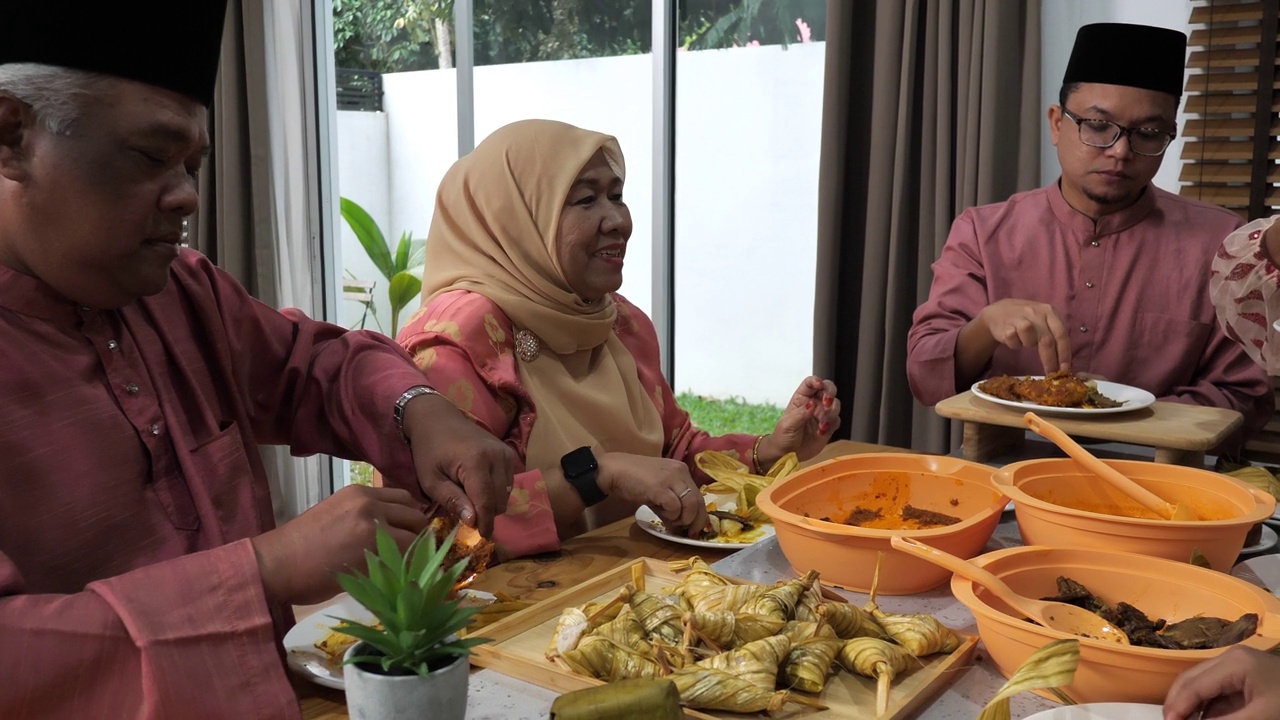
464 344
1245 288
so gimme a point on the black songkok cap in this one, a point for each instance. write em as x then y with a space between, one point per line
1133 55
173 44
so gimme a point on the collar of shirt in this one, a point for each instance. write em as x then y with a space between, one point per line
29 296
1114 222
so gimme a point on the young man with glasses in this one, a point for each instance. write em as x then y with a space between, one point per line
1100 272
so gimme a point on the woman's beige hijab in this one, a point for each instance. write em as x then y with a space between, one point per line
497 217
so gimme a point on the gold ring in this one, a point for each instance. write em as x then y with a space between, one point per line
686 492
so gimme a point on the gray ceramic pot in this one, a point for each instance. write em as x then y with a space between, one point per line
371 696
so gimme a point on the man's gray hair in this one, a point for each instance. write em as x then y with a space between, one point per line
54 93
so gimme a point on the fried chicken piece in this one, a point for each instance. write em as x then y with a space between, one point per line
1001 387
1061 389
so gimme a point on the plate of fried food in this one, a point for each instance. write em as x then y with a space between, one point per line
728 528
1062 393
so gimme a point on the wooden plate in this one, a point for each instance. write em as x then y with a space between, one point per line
520 641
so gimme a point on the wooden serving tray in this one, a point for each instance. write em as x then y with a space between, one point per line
519 642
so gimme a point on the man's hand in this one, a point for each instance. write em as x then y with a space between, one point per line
1024 323
298 560
1241 684
460 465
661 483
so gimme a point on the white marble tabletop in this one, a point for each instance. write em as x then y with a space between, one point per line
496 696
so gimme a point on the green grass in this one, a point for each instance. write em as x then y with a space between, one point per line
733 415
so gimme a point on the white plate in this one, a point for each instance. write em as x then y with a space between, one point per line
649 522
1132 397
300 642
1268 540
1263 571
1101 711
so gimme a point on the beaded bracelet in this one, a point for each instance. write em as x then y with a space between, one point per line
755 455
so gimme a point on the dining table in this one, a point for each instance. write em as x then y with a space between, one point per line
493 695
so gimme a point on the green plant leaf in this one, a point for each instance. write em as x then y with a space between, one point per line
374 636
369 235
408 593
405 288
367 594
402 253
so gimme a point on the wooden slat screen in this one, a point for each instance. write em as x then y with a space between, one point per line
1232 131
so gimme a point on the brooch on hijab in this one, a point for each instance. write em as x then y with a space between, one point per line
527 346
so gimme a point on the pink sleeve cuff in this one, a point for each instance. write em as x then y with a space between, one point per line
529 525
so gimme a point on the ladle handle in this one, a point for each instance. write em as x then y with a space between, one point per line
1091 463
1270 626
964 569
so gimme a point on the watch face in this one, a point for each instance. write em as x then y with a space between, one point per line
578 462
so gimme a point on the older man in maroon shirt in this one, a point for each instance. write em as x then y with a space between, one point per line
141 572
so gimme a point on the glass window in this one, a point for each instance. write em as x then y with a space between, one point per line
748 126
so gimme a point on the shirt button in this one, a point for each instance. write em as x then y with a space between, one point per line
155 429
1088 284
1084 329
1255 234
1093 243
131 388
113 345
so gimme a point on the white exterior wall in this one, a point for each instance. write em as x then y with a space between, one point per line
1059 21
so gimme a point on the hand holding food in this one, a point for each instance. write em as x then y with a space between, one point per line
1028 324
460 465
661 483
297 560
1240 683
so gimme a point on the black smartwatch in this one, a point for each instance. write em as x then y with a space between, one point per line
580 470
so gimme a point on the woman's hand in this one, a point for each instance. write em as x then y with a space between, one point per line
1242 683
806 423
663 484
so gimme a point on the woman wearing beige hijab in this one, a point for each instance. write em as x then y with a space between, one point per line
522 327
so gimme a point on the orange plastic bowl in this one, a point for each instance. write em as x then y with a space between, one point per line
1161 588
845 555
1057 503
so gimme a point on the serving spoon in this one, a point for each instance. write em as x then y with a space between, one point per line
1058 616
1150 500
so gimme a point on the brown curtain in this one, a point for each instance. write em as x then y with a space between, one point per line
234 228
254 219
929 107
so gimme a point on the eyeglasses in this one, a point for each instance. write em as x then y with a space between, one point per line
1104 133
